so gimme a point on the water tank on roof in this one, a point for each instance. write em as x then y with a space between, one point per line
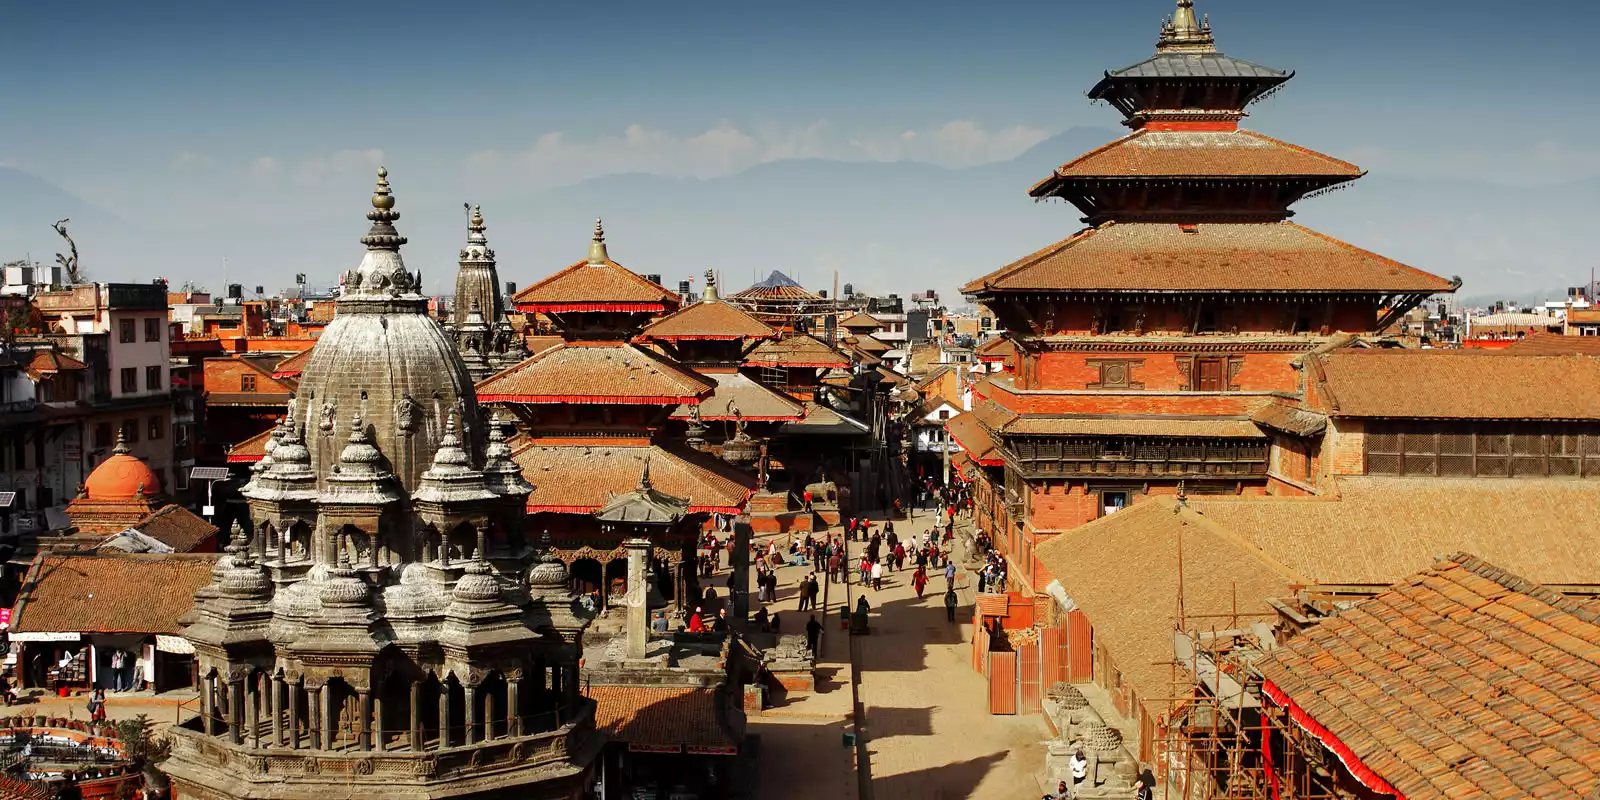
683 288
656 279
823 294
849 290
235 291
511 288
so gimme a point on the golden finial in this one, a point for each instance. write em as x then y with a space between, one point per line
381 198
597 247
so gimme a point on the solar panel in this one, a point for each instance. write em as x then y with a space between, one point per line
208 474
7 498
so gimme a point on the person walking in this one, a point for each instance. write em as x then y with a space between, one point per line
877 575
919 581
833 568
813 634
950 574
807 496
1079 766
950 605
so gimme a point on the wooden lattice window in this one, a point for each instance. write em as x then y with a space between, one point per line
1115 373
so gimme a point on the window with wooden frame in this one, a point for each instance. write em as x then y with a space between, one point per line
1492 450
247 383
1115 373
1209 373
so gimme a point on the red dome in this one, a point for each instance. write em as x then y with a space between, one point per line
121 477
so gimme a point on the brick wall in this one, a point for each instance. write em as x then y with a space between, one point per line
1345 448
225 376
1159 371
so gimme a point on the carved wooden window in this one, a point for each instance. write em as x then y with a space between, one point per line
1116 373
1483 450
1209 373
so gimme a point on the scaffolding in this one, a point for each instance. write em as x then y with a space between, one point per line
1224 741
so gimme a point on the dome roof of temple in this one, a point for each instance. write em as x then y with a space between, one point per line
385 357
122 476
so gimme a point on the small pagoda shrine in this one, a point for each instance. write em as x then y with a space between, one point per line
592 409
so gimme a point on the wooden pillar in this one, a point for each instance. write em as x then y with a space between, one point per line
471 707
513 708
377 720
364 709
416 716
444 714
292 696
277 710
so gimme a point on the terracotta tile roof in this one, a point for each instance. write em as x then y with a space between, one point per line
50 362
1289 419
703 320
1151 153
292 366
1134 616
610 373
585 284
178 528
1051 425
1267 256
1460 384
754 401
994 416
110 593
868 343
1463 680
997 348
1540 343
862 320
323 311
18 789
1375 531
250 450
975 439
662 716
798 350
579 479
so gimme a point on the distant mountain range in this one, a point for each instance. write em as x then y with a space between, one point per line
885 227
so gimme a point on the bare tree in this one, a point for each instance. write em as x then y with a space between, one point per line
70 265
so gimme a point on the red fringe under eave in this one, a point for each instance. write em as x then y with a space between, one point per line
1357 768
569 308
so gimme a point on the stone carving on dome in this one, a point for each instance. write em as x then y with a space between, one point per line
329 416
407 415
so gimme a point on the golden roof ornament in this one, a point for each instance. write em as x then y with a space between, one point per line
597 247
1182 33
382 235
710 295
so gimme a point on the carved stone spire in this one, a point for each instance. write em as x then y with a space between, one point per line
502 475
382 235
1182 33
597 247
121 447
451 479
361 475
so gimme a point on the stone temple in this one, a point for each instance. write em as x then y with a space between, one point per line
386 631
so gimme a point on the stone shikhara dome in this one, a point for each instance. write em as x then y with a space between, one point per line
385 357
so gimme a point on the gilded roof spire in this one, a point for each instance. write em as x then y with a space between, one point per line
644 476
121 447
711 287
1182 33
597 248
382 235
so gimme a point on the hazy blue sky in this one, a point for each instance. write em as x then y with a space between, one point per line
200 115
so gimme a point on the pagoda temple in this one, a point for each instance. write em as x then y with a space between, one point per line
1147 344
592 411
386 631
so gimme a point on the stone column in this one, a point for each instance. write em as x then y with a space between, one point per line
364 709
638 609
283 544
208 705
372 550
444 714
293 698
471 707
277 710
416 716
483 539
330 718
253 721
740 589
315 719
513 709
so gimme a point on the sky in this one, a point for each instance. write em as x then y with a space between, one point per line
199 118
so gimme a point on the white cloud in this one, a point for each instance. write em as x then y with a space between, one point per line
265 168
556 159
